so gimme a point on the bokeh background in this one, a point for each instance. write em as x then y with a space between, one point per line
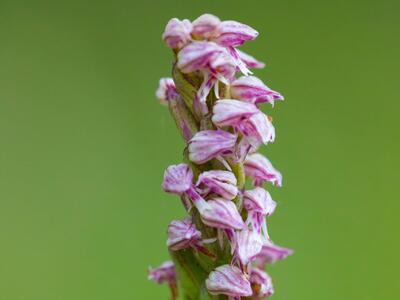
83 145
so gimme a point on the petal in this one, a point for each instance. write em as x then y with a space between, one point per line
260 169
228 280
177 179
205 26
222 214
232 33
177 33
219 182
208 144
229 112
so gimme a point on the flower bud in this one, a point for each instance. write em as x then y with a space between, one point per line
219 182
261 283
220 213
258 200
177 179
166 91
183 234
205 26
253 90
232 33
228 280
270 253
248 245
228 112
208 144
164 273
249 60
177 33
260 169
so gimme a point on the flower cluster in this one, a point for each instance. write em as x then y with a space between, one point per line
223 246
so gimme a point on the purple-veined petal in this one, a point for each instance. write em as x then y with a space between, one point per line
229 112
248 245
257 130
219 182
183 234
259 200
271 253
208 144
197 55
253 90
177 179
228 280
232 33
260 169
220 213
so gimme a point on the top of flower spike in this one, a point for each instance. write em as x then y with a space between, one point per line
177 33
205 26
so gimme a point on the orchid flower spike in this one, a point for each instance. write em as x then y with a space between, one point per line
228 280
222 132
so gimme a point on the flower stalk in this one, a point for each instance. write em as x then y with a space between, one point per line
221 249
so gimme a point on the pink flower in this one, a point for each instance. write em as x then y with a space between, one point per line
228 112
208 144
232 33
261 283
178 179
253 90
183 234
260 169
271 253
166 90
257 130
198 55
258 200
228 280
248 245
220 213
249 60
177 33
205 26
219 182
164 273
259 204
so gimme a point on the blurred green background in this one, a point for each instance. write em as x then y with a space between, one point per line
84 144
